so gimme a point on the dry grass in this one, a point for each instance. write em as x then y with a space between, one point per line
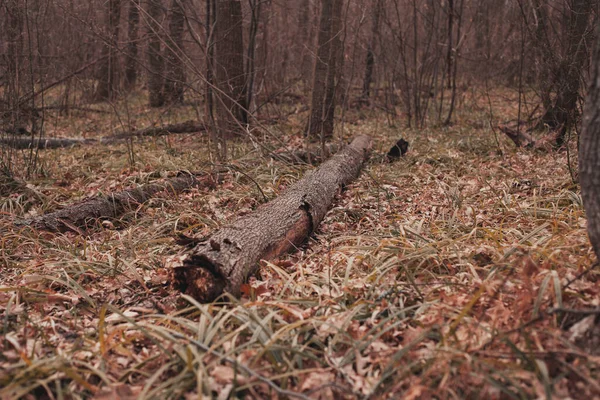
444 275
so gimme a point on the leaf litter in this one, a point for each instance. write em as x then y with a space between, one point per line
447 274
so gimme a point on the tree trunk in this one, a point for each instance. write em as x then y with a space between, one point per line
155 59
87 212
589 152
175 74
229 67
370 57
450 50
133 23
332 70
315 122
564 113
108 80
224 261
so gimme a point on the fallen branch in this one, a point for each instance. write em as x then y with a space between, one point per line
225 260
42 143
183 127
87 212
526 140
58 143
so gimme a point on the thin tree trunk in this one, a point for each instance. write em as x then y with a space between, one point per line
564 114
370 57
224 261
229 65
315 122
255 6
108 79
589 152
450 50
155 59
332 71
174 70
131 62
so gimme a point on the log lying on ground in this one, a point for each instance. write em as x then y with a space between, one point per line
226 259
42 143
25 142
183 127
526 140
87 212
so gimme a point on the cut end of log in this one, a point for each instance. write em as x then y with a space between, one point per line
197 279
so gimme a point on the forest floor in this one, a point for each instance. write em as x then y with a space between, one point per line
451 273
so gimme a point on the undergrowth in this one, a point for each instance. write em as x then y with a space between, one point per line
452 273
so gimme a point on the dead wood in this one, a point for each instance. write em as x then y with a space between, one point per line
87 212
226 259
183 127
525 139
57 143
42 143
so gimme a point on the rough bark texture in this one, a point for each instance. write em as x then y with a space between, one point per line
133 22
86 213
229 67
175 73
108 81
315 122
155 59
589 152
225 260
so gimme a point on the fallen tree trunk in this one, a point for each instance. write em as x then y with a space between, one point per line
42 143
225 260
183 127
87 212
58 143
526 140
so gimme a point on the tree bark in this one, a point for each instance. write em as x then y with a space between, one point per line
132 45
155 59
175 73
370 57
108 80
589 152
85 214
315 122
332 70
231 104
225 260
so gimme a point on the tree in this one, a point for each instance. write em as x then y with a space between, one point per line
133 22
230 77
175 74
334 65
370 56
155 59
589 152
563 114
322 111
108 80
